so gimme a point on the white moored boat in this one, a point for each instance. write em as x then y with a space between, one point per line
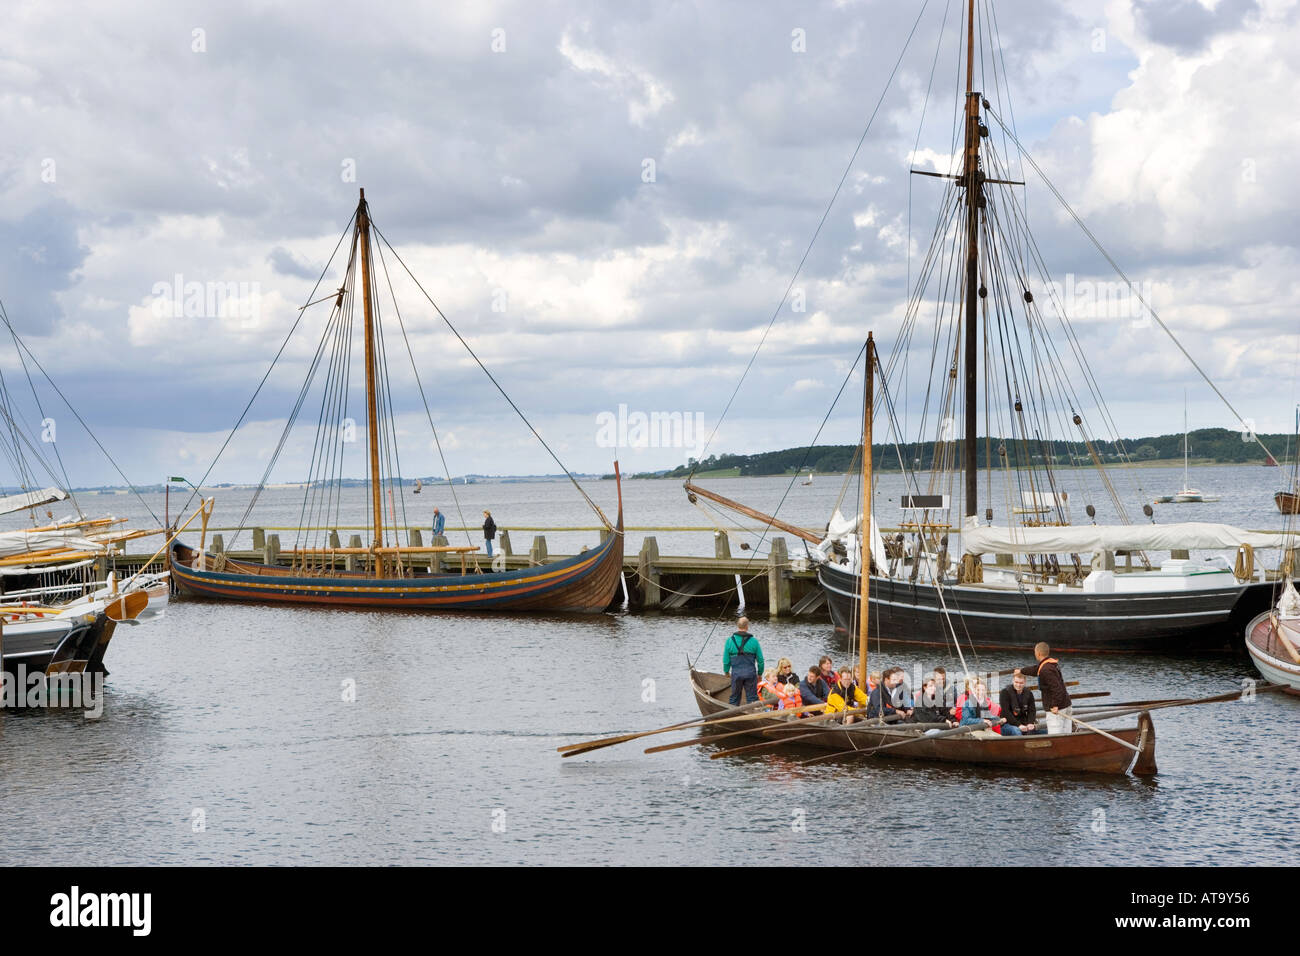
1273 641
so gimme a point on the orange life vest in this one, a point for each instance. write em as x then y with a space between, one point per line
790 698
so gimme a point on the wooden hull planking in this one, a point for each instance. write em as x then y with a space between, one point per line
1270 655
1081 752
584 583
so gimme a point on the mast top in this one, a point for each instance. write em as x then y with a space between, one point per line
970 47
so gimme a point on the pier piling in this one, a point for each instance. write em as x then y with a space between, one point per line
778 579
648 572
721 545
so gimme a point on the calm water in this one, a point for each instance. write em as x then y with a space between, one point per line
237 715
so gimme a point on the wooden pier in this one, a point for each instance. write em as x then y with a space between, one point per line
775 583
779 583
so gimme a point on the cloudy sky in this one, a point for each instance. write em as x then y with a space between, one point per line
609 201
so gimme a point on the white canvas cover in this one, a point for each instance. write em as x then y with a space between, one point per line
841 527
1288 605
1190 535
30 499
14 543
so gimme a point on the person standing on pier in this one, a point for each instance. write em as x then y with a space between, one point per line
1056 699
489 530
742 658
439 521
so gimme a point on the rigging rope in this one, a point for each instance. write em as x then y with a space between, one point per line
1132 286
492 379
811 242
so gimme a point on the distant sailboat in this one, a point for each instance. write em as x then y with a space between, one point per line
808 480
1188 495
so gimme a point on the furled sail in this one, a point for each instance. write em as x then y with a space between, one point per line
1188 535
845 529
14 543
31 499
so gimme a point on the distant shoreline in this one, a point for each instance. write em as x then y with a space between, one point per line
726 474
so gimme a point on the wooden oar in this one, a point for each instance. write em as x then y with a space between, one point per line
1098 730
1143 704
721 717
1136 707
784 739
748 730
952 732
742 708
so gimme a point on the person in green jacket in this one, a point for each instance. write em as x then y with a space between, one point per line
742 658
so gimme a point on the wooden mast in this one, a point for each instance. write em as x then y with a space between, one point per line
972 180
864 532
372 412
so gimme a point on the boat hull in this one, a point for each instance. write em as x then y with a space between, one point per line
58 644
584 583
1170 622
1268 653
1287 503
1080 752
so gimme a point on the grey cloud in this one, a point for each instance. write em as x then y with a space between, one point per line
284 262
39 257
1188 25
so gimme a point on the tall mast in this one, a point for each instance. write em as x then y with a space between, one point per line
1184 439
972 180
372 412
864 532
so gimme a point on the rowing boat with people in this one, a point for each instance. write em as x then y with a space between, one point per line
1126 750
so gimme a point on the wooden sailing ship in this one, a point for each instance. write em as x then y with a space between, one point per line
386 573
1033 578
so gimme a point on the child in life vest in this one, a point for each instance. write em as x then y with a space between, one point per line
770 690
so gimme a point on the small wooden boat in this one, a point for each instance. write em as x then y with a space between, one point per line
1288 502
1082 751
1274 645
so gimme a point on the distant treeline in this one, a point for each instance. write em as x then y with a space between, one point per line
1213 444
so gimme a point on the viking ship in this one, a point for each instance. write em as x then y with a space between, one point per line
1123 750
386 573
987 318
